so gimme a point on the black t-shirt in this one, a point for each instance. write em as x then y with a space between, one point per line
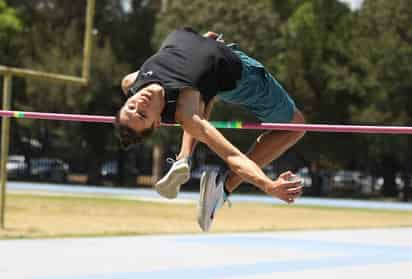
187 59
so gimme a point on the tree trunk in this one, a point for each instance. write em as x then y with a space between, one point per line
120 178
157 162
406 188
389 188
93 174
316 179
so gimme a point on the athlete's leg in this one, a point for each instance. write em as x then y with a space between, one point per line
179 173
188 146
268 147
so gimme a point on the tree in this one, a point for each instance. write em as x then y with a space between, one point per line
314 69
10 26
382 52
54 41
286 8
255 27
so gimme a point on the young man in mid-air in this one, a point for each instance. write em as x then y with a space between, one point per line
180 83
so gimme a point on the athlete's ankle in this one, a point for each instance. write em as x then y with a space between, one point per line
223 177
183 156
227 193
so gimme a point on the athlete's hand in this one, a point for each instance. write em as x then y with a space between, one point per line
214 36
287 187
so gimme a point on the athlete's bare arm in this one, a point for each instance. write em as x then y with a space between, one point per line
188 114
128 80
188 142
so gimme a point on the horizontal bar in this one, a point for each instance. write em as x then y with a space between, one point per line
360 129
26 73
57 116
363 129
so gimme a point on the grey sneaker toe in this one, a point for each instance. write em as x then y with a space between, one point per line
169 185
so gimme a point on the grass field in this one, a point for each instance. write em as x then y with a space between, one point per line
44 216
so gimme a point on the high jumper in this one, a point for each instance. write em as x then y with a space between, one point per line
179 84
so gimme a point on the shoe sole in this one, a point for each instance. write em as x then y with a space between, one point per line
179 176
203 221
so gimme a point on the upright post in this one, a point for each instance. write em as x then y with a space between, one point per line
5 139
88 39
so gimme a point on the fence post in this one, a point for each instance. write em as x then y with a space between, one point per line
5 139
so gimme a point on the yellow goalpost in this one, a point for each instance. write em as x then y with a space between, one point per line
9 72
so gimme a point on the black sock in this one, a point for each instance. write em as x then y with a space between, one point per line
224 175
227 193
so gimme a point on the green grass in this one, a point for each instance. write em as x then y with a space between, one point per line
51 216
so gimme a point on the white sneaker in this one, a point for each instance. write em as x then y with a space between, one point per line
179 173
212 197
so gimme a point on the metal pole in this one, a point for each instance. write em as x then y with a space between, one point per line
52 77
5 139
26 73
88 39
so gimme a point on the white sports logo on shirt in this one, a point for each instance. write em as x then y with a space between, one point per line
147 74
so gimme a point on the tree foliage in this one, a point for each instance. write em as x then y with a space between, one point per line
382 51
10 26
9 21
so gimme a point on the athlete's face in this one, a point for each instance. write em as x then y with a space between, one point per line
143 110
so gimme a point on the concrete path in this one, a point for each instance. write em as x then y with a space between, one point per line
382 253
346 254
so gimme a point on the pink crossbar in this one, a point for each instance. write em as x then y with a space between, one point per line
58 116
363 129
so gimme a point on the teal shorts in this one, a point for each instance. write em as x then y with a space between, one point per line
259 92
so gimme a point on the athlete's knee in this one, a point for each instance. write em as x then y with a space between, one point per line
290 136
298 118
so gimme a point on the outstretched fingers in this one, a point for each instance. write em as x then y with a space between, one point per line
290 194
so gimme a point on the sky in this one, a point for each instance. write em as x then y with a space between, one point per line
354 4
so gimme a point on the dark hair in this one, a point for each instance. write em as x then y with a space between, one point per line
129 137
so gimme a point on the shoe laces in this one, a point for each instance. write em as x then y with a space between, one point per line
170 161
